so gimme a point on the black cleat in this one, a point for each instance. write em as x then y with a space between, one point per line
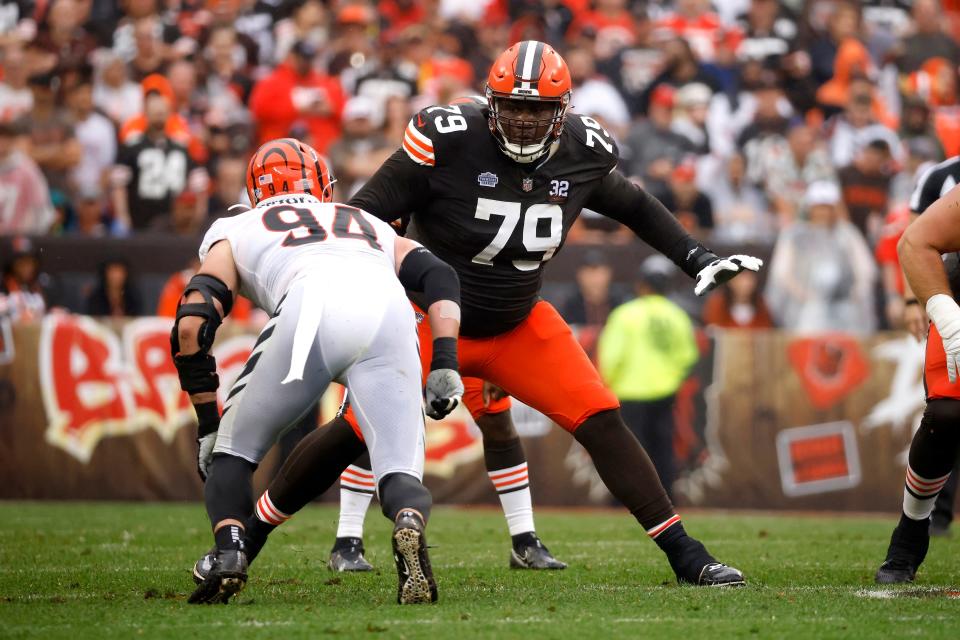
694 565
347 555
227 576
416 583
908 548
717 574
202 567
530 553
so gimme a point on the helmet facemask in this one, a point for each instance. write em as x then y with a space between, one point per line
526 125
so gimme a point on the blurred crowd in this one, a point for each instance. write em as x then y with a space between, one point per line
798 126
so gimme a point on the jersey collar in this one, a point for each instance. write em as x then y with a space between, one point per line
289 198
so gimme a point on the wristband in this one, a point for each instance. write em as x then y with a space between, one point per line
696 258
444 354
208 417
945 315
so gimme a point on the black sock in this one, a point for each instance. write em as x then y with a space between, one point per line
914 528
228 537
400 491
687 555
255 536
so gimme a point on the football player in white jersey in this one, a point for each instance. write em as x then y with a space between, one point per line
333 279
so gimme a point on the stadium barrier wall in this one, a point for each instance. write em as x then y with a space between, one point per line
91 409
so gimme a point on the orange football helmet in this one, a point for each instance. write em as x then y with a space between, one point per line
528 92
286 165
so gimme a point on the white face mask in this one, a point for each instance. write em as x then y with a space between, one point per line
510 127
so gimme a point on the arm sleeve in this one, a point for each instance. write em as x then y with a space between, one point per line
423 271
397 188
619 199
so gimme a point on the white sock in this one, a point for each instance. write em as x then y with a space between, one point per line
356 491
513 488
920 494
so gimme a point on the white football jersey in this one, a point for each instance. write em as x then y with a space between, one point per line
289 236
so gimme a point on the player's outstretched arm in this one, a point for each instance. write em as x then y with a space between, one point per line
206 300
619 199
420 270
934 233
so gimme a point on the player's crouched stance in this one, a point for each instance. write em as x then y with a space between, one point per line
935 446
331 277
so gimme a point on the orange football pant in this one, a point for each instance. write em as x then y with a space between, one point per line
539 362
935 369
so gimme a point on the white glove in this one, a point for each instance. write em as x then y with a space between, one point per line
205 453
443 392
945 314
723 269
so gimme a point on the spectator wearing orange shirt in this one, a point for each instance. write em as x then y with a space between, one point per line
936 82
609 19
296 94
176 128
397 15
697 24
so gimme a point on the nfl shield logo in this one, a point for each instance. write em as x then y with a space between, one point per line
527 184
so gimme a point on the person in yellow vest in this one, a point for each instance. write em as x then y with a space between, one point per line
645 352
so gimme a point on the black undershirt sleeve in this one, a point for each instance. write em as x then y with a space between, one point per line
928 191
621 200
396 189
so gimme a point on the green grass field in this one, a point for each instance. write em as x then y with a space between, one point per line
122 570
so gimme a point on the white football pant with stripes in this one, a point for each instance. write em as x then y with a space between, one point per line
354 329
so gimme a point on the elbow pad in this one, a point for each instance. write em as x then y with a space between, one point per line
211 288
423 271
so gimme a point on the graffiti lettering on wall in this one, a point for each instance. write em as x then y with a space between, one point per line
96 385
